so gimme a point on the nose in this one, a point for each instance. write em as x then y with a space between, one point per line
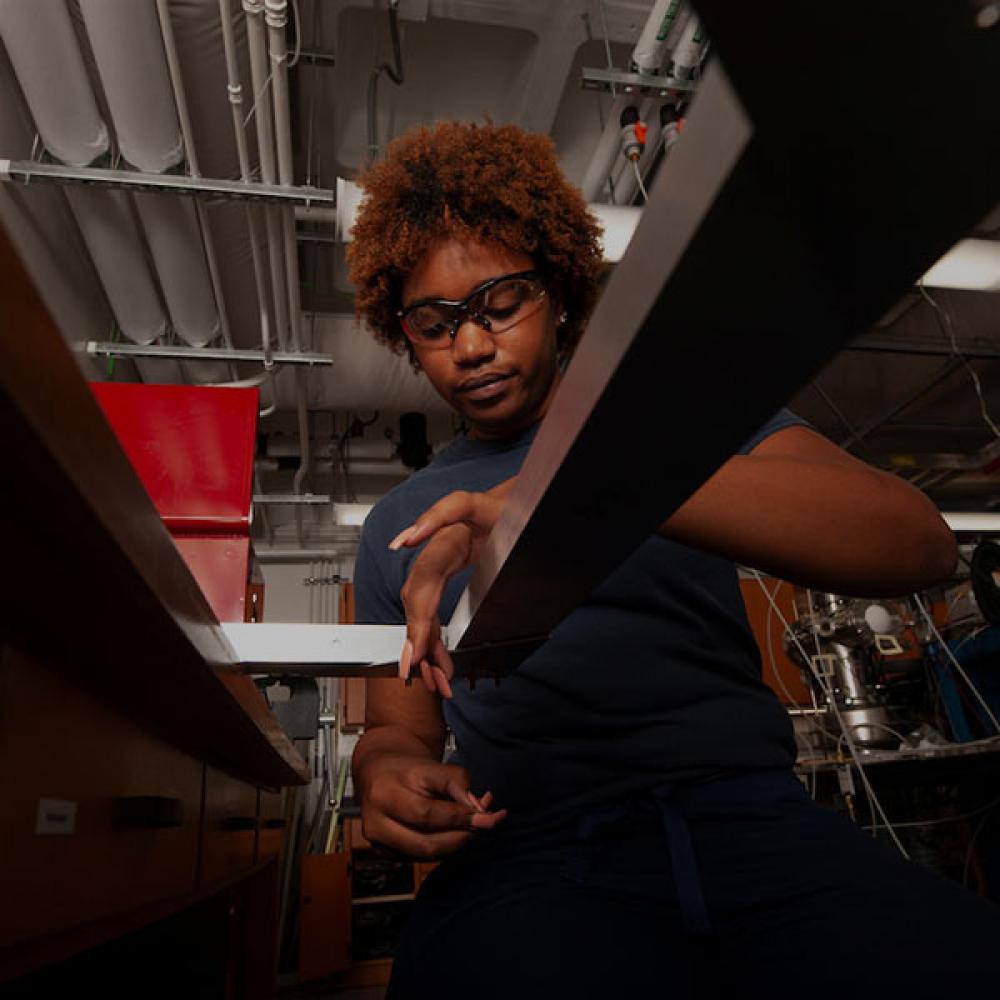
472 344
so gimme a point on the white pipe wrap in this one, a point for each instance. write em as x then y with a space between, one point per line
56 86
128 48
112 237
651 49
174 238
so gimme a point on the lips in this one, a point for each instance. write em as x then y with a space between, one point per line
485 386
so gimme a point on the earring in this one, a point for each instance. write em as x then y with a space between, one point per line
563 318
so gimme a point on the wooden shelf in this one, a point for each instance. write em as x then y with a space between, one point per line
99 588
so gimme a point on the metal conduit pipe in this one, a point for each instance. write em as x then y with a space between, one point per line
235 90
260 80
276 17
180 100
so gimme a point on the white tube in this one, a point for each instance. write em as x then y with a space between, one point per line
171 226
128 49
689 50
276 16
603 160
112 237
257 43
235 90
625 183
651 49
46 57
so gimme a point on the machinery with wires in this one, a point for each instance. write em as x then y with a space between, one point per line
850 639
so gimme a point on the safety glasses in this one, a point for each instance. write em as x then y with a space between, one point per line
495 305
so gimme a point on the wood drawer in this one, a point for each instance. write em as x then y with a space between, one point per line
123 806
230 827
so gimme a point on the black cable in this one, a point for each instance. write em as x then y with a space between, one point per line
394 74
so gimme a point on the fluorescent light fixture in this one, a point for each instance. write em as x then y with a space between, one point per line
973 265
351 513
972 522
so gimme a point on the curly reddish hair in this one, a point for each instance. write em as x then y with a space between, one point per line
492 184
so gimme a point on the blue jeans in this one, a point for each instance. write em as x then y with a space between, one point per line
739 887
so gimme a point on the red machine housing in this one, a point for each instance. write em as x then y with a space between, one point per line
193 449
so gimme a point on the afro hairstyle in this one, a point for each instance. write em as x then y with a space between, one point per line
495 185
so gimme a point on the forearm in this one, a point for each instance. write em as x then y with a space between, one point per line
383 741
846 529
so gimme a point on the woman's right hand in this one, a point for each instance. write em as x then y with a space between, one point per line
421 808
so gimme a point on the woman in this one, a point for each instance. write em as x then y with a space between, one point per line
621 813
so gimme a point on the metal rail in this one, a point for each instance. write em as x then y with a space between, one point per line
28 172
114 349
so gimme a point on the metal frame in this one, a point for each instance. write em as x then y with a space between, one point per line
115 349
649 84
28 172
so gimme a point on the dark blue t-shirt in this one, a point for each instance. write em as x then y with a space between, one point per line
655 678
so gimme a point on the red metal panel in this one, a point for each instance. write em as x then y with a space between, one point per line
219 563
192 447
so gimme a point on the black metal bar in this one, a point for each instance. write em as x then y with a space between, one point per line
832 210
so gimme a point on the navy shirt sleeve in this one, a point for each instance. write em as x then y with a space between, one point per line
782 419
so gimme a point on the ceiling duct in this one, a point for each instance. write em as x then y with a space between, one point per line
128 49
112 237
46 57
125 39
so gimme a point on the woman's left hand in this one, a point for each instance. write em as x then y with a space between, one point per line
454 529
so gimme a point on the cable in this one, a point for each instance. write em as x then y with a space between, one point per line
972 842
941 820
638 177
958 666
869 791
607 45
944 322
298 34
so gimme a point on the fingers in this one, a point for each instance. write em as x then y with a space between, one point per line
455 507
479 511
426 810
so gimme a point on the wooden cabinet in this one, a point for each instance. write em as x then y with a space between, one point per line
99 815
121 713
229 827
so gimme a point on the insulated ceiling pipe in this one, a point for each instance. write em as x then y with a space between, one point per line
125 39
46 57
129 51
235 90
658 35
276 15
259 76
115 246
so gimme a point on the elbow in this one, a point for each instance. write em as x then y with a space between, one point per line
935 554
943 552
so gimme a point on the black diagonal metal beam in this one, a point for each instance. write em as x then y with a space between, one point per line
772 238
